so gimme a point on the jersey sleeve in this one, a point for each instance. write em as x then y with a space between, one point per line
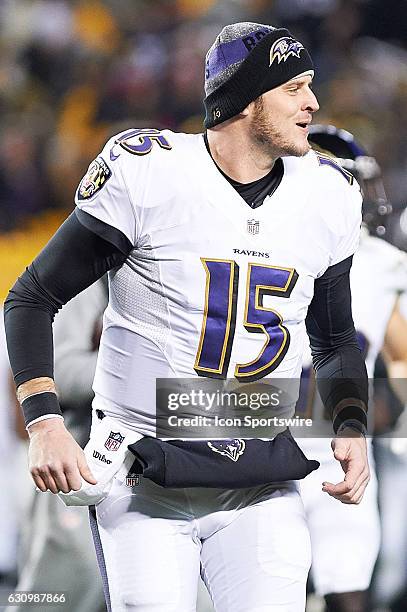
103 194
349 223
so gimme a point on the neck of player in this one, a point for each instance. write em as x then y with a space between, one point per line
234 151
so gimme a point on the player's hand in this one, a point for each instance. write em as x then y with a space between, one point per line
349 448
56 461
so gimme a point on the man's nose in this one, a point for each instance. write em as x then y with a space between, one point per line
311 102
315 105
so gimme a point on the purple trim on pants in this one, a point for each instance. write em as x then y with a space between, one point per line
99 555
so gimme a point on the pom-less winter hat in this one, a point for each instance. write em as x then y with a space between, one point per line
246 60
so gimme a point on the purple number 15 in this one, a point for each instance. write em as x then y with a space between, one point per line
218 326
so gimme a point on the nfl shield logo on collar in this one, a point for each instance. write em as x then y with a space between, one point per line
114 440
253 226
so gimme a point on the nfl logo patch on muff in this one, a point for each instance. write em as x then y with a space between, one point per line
114 441
96 177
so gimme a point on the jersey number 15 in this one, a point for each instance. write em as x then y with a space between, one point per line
219 320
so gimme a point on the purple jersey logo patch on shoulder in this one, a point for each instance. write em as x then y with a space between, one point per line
95 178
232 449
282 48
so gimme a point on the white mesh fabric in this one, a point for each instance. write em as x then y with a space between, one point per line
137 296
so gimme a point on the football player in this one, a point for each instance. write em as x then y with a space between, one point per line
378 276
221 248
390 451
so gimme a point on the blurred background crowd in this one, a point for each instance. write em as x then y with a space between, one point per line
74 72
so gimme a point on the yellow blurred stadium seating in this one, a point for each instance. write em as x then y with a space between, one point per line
19 247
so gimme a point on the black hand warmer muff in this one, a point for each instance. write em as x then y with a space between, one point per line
230 464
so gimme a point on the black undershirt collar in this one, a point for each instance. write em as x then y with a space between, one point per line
254 193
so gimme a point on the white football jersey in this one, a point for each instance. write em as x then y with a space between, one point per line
206 270
378 277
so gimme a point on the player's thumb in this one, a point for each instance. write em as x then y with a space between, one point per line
340 449
85 470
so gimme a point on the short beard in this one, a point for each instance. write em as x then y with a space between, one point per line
267 135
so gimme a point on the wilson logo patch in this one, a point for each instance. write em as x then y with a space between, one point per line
94 180
101 457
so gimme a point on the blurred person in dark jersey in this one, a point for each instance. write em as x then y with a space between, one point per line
378 276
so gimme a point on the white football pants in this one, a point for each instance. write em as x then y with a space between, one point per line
251 546
345 538
391 572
